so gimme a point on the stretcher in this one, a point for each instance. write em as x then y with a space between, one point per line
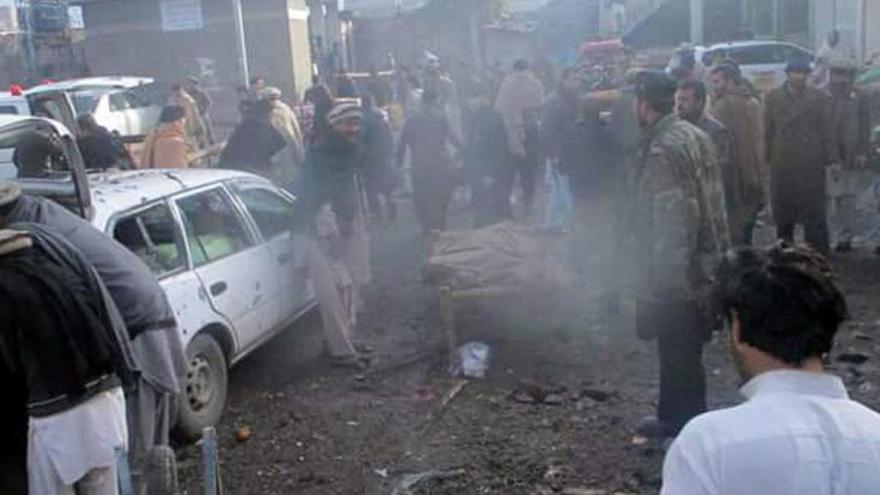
499 262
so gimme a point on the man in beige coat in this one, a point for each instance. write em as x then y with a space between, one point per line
742 114
519 101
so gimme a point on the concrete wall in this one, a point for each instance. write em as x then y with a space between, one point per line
126 37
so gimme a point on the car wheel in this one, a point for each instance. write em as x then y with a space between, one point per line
205 388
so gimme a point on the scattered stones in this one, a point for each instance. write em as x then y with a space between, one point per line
554 400
243 434
596 394
862 336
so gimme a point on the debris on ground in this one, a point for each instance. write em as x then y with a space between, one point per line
243 434
853 357
410 481
538 392
596 394
472 360
639 440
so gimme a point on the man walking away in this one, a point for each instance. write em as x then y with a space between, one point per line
196 135
427 135
64 365
797 126
680 228
851 139
798 431
519 101
194 88
378 157
486 161
100 149
734 105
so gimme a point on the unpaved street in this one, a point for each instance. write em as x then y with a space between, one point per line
319 430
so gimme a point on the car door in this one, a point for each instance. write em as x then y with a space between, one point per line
55 105
238 272
153 234
66 183
273 213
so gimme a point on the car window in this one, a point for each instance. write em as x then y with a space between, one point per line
213 228
272 213
119 102
49 109
86 101
8 110
153 236
760 54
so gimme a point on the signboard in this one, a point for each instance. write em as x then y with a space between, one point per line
181 15
8 17
75 16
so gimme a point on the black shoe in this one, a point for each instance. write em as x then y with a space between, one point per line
651 427
353 362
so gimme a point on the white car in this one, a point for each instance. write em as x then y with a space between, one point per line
221 243
125 105
761 62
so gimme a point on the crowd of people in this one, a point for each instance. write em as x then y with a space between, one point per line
687 162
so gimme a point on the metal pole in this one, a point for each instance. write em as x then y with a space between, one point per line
241 42
697 21
30 52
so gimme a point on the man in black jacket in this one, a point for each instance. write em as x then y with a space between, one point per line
63 368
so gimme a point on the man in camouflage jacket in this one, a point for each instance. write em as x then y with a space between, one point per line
681 229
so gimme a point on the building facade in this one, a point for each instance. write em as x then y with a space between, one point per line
172 39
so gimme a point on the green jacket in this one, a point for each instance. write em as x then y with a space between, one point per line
681 220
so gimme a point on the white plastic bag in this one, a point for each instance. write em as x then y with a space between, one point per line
473 360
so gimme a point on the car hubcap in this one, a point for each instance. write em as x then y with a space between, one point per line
200 386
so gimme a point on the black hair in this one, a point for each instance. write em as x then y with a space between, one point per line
171 113
86 122
664 105
785 297
698 87
728 69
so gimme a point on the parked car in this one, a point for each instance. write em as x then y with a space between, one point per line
127 106
220 242
762 62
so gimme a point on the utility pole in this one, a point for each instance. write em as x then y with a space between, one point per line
241 43
698 17
29 51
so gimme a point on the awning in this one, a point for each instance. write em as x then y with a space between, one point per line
669 25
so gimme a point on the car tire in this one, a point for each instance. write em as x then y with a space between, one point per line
204 395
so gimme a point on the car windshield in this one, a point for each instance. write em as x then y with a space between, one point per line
86 100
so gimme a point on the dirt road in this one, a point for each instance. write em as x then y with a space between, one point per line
318 430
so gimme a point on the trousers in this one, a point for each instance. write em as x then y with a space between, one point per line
681 332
